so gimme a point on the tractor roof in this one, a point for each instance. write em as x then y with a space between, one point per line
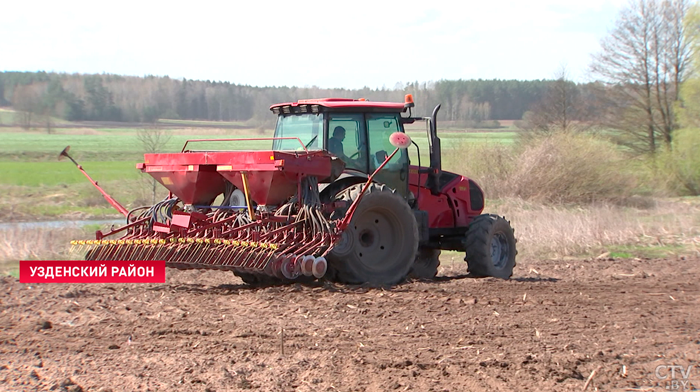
318 105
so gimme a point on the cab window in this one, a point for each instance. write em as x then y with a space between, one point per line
307 127
379 128
394 173
346 140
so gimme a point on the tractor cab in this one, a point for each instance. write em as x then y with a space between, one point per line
355 131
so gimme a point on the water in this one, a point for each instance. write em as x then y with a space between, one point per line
59 224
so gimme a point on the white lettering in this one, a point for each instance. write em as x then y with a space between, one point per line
141 272
132 270
149 271
103 270
115 271
49 273
33 270
686 374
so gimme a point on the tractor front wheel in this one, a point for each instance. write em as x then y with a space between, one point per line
380 244
490 246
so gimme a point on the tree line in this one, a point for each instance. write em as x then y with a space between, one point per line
78 97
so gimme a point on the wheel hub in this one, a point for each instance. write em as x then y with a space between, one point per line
367 238
375 238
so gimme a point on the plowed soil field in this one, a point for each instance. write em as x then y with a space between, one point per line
559 325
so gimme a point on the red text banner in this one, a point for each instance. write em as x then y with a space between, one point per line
67 271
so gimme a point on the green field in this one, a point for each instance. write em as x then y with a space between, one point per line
8 117
30 158
122 144
37 185
57 173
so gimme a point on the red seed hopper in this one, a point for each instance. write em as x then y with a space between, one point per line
272 176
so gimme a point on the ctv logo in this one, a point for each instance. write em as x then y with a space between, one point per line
673 377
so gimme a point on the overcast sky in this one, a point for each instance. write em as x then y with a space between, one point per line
328 43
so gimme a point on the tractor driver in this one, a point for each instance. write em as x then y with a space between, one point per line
335 144
335 147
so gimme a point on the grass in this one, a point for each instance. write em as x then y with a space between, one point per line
453 142
649 252
36 146
30 158
57 173
37 244
7 117
669 227
79 200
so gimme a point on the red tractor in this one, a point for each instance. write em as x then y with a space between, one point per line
337 196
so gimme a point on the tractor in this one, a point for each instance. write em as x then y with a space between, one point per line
340 195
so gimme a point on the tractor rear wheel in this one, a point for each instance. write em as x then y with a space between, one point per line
380 244
490 246
426 264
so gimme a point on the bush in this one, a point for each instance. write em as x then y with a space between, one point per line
679 167
571 168
490 164
559 168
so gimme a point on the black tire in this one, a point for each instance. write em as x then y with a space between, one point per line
254 279
380 244
426 264
490 247
258 279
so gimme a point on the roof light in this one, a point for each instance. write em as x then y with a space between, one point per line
408 101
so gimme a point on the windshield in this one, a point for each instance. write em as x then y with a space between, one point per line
307 127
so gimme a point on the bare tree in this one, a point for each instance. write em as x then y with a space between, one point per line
153 140
560 109
26 102
642 63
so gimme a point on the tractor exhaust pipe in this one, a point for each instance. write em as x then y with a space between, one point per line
435 155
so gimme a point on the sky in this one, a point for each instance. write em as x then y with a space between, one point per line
329 44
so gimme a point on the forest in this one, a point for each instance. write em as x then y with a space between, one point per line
78 97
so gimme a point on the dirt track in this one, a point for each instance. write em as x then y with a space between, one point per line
547 329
